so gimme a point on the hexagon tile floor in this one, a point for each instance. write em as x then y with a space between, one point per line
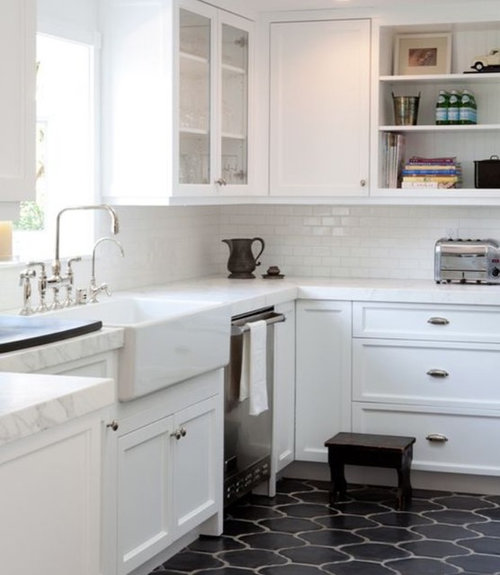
297 533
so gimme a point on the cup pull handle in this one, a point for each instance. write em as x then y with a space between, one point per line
437 438
438 321
438 373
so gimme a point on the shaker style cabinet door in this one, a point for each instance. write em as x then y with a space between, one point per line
319 110
17 100
323 375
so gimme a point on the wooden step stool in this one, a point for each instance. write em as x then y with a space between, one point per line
372 450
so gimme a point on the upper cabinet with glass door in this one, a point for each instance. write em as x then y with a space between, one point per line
214 77
176 86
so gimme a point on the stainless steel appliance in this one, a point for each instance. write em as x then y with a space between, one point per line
247 438
465 261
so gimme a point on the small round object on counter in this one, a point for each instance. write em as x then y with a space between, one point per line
273 272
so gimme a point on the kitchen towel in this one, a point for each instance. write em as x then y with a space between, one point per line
253 383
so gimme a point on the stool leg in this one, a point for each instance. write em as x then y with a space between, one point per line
404 483
338 482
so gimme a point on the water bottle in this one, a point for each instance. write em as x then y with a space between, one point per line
442 105
454 107
468 109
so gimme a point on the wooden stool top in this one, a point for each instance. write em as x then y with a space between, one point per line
395 442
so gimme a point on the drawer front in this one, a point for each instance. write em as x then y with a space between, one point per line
430 373
446 442
426 322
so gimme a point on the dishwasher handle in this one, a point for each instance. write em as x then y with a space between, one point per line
271 318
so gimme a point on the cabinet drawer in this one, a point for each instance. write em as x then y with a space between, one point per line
417 372
427 322
471 438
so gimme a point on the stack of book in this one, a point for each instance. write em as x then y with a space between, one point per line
431 173
393 153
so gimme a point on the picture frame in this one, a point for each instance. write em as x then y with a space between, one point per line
419 54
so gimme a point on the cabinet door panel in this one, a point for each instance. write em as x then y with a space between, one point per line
17 102
319 107
323 376
50 501
197 465
143 496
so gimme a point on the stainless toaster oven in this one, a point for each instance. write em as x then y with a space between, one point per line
467 261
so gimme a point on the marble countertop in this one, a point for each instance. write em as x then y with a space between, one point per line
30 403
43 357
245 295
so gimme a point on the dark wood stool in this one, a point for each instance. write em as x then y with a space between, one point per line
375 451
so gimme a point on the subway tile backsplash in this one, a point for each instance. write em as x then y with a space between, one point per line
171 243
356 241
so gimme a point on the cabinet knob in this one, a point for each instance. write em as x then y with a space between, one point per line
113 425
362 183
221 182
437 438
438 373
179 433
438 321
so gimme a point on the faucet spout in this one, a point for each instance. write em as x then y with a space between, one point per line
93 288
115 228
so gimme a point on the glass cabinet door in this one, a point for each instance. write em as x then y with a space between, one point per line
194 98
234 106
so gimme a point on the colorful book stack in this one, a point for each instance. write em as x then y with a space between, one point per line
431 173
393 154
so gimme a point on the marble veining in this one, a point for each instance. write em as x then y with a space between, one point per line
45 356
30 403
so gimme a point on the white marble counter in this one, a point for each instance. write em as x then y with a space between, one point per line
245 295
30 403
42 357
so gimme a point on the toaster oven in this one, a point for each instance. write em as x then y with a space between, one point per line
467 261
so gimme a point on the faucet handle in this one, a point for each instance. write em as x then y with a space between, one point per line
42 285
25 281
70 300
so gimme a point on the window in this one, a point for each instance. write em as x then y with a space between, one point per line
65 151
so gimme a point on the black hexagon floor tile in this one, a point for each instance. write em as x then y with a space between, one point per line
299 533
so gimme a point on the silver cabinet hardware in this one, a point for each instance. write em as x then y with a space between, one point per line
179 433
438 321
362 183
438 373
221 182
437 438
113 425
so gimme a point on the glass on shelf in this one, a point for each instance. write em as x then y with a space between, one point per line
194 154
234 161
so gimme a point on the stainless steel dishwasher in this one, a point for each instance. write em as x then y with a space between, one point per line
247 438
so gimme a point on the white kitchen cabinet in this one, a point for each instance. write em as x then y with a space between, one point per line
319 109
50 496
176 97
467 143
284 388
323 375
17 100
429 371
169 468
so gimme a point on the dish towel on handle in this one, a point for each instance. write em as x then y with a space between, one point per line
253 384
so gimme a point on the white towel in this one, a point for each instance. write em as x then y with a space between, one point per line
253 383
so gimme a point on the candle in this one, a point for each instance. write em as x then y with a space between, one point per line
5 241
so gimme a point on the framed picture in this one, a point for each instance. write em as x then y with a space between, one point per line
417 54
